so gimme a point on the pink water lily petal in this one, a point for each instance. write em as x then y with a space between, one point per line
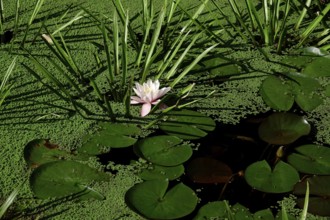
163 91
136 100
146 107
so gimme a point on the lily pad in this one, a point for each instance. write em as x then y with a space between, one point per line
218 67
318 67
208 170
319 193
40 151
277 93
109 136
156 172
187 124
265 214
280 179
211 210
153 200
283 128
311 159
164 150
63 178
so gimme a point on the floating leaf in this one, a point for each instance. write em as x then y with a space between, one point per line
318 67
164 150
110 135
219 67
208 170
40 151
211 210
152 200
62 178
311 159
283 128
277 93
262 177
241 212
265 214
319 191
187 124
156 172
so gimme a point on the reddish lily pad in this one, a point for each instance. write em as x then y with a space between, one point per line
208 170
153 200
319 193
40 151
280 179
283 128
63 178
311 159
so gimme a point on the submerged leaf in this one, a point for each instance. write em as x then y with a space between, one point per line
283 128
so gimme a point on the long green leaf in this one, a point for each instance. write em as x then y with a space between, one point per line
77 17
153 43
107 52
9 201
304 212
124 51
197 59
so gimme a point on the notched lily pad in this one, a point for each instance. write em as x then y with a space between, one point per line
277 93
40 151
311 159
153 200
283 128
211 210
280 179
319 193
109 136
187 124
164 150
63 178
208 170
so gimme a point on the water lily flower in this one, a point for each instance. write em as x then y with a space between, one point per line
148 94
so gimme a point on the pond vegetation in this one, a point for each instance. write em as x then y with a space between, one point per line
210 111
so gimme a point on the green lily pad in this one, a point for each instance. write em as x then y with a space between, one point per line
265 214
208 170
311 159
63 178
187 124
319 193
164 150
211 210
283 128
318 67
241 212
40 151
153 200
156 172
280 179
109 136
218 67
277 93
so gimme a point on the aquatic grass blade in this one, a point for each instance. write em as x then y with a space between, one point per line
4 90
2 17
172 71
197 59
17 11
107 52
77 17
33 16
124 52
313 25
120 10
9 201
116 45
302 14
305 209
153 43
